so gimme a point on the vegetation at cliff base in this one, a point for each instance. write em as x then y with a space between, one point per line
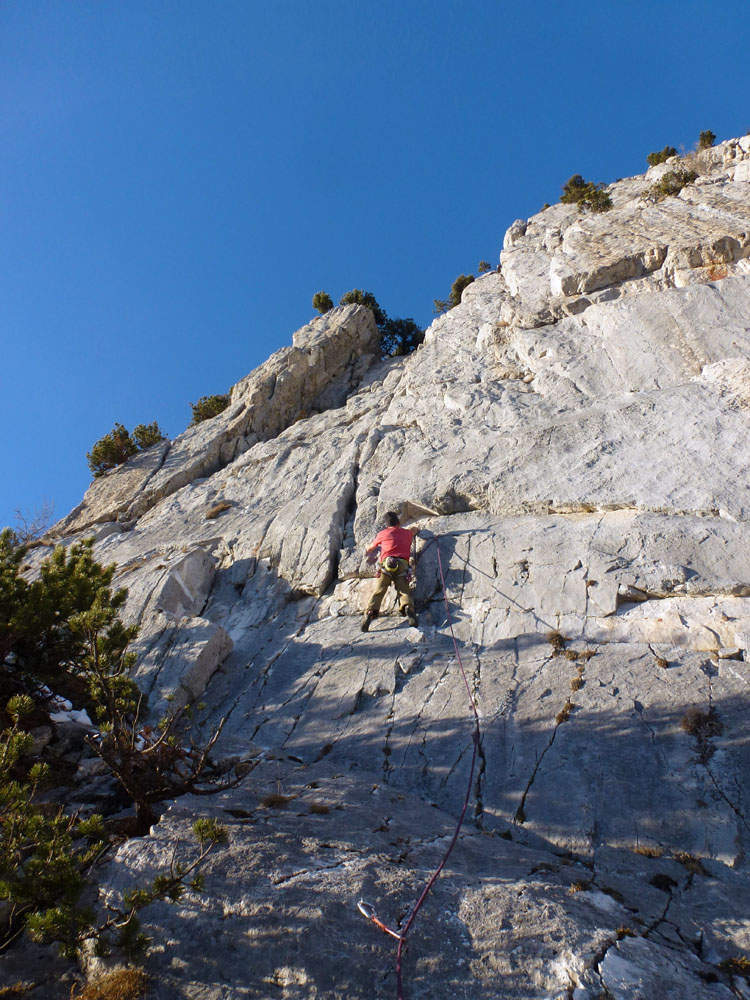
207 407
62 632
118 984
44 854
586 194
35 617
119 445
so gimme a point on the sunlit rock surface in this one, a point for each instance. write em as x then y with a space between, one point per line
573 441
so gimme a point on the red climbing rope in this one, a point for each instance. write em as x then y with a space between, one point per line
365 908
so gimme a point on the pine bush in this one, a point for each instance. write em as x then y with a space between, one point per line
43 856
457 290
656 158
323 302
670 184
586 194
146 435
64 627
207 407
357 297
400 336
111 450
118 446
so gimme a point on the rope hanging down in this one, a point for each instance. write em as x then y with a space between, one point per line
366 909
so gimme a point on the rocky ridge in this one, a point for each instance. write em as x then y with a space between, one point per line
573 439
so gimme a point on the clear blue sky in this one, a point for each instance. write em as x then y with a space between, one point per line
179 177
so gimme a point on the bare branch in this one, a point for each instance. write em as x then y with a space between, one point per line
32 524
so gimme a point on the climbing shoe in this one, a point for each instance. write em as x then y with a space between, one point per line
369 615
412 616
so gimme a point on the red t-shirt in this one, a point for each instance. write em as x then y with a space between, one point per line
393 542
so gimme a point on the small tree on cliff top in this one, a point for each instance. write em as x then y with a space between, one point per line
454 299
323 302
118 446
207 407
357 297
667 153
586 194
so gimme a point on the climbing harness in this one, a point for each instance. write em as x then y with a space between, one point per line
392 566
366 909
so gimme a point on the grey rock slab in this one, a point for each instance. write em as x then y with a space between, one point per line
184 591
305 843
568 442
622 722
175 667
635 967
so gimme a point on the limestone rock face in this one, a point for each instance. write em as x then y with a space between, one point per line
110 496
328 357
572 440
560 261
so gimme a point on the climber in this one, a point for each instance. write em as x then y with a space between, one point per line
394 543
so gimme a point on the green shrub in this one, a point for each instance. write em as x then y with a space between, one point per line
146 435
111 450
35 617
483 267
457 290
655 158
400 336
670 184
46 855
458 286
42 858
118 446
706 139
207 407
586 194
357 297
322 301
397 336
65 625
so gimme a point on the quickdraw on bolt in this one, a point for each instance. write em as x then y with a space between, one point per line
368 912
